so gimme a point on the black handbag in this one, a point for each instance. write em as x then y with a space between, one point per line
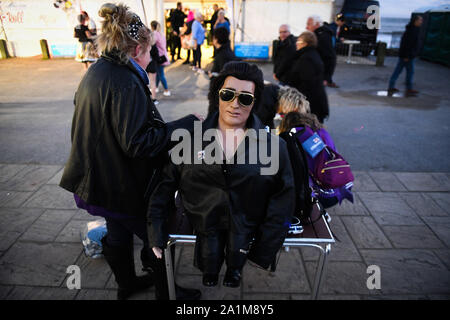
161 59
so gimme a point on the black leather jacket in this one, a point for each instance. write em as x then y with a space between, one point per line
118 138
234 197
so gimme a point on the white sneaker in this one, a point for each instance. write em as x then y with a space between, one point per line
200 71
167 93
155 102
194 69
157 90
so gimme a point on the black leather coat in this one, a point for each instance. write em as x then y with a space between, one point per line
306 75
283 55
233 197
118 138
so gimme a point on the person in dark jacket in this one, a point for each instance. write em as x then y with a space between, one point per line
224 54
409 48
229 202
338 28
118 140
285 48
325 47
306 74
176 19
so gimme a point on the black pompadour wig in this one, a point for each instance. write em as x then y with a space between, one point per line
240 70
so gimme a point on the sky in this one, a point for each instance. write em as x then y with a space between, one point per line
403 8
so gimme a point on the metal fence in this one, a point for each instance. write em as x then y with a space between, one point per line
354 52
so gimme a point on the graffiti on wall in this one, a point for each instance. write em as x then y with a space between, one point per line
11 12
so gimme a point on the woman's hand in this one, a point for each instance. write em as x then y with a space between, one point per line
158 252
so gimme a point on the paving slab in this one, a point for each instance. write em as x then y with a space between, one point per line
37 264
443 178
442 199
4 291
445 297
347 278
339 297
30 178
269 296
41 293
56 178
365 232
444 255
412 271
72 230
363 182
94 272
14 222
389 209
342 250
346 208
387 181
422 181
397 297
295 296
48 225
441 227
419 237
82 214
96 294
7 171
51 197
289 277
13 199
423 204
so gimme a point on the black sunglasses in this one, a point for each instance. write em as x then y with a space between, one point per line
245 99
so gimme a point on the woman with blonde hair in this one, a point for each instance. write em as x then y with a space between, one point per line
163 57
118 140
292 100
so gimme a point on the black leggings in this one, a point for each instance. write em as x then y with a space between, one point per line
198 56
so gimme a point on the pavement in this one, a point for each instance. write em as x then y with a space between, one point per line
400 220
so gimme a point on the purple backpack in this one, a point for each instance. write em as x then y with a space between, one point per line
329 170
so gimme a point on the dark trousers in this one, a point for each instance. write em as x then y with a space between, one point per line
198 57
174 45
189 54
409 65
211 250
329 70
121 231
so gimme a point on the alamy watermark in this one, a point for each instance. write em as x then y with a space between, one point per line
373 21
374 280
74 280
250 147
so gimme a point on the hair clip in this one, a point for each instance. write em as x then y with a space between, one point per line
134 26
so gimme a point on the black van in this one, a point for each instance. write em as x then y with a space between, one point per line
355 13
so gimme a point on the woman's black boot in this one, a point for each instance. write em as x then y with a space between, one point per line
121 261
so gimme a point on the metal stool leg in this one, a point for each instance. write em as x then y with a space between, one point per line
170 271
320 273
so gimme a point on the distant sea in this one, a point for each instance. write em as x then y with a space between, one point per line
391 31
